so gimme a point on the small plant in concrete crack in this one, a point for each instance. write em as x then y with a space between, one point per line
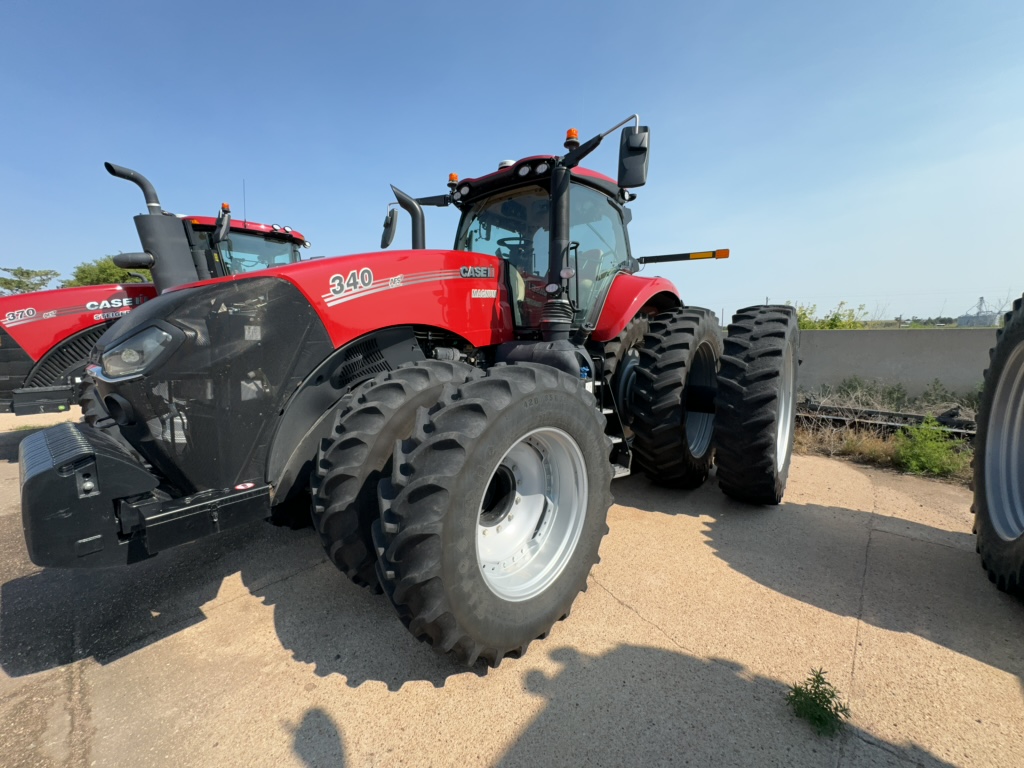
817 701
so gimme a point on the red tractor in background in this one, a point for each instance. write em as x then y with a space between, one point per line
457 416
46 336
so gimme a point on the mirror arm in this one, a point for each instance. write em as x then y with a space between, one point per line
438 201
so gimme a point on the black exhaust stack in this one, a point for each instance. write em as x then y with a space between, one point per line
419 230
162 236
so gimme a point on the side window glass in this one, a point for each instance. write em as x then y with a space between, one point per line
598 229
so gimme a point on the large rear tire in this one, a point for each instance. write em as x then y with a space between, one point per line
673 397
352 460
494 512
999 459
755 406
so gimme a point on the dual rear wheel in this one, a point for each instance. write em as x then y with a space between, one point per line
477 500
494 489
693 399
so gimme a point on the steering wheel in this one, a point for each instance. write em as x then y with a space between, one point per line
513 242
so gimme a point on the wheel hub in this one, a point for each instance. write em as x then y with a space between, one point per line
531 514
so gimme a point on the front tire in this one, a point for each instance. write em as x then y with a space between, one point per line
358 453
494 512
998 470
756 401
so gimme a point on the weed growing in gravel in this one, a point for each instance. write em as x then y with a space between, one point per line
817 701
926 450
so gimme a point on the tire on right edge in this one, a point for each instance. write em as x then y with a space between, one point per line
755 405
998 474
494 512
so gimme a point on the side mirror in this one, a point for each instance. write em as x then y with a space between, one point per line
220 233
390 226
634 154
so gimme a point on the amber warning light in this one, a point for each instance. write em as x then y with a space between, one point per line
572 139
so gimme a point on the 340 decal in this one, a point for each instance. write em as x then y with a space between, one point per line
357 280
19 314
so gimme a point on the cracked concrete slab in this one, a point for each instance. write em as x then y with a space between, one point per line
250 649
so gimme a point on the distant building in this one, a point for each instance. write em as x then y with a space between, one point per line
980 318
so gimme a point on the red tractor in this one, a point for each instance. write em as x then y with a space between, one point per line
46 337
456 415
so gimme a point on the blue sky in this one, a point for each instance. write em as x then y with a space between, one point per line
871 152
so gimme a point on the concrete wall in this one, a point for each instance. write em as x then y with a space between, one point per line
956 357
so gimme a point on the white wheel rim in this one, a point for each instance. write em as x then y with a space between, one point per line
531 514
784 428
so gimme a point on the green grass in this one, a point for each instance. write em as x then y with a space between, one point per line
926 450
817 701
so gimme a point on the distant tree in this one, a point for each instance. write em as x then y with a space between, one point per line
100 272
23 280
842 318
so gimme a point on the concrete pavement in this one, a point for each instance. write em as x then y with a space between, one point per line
250 649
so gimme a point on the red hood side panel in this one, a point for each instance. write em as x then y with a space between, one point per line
456 290
630 295
39 321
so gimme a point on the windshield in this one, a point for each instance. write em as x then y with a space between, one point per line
515 227
244 252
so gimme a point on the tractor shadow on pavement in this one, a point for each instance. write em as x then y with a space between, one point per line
639 705
50 618
892 573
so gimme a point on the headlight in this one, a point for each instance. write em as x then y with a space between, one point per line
136 353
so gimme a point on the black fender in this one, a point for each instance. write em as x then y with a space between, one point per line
308 416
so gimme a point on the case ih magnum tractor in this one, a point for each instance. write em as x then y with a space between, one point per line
46 337
999 459
457 415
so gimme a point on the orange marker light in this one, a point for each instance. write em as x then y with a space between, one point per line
722 253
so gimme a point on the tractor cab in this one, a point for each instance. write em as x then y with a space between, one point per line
560 228
515 226
238 247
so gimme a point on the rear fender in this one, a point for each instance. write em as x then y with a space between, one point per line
630 296
308 415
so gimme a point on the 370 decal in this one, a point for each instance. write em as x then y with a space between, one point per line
19 314
357 279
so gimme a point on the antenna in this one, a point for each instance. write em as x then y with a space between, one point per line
245 219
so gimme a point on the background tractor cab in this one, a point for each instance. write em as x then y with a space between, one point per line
46 336
183 249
